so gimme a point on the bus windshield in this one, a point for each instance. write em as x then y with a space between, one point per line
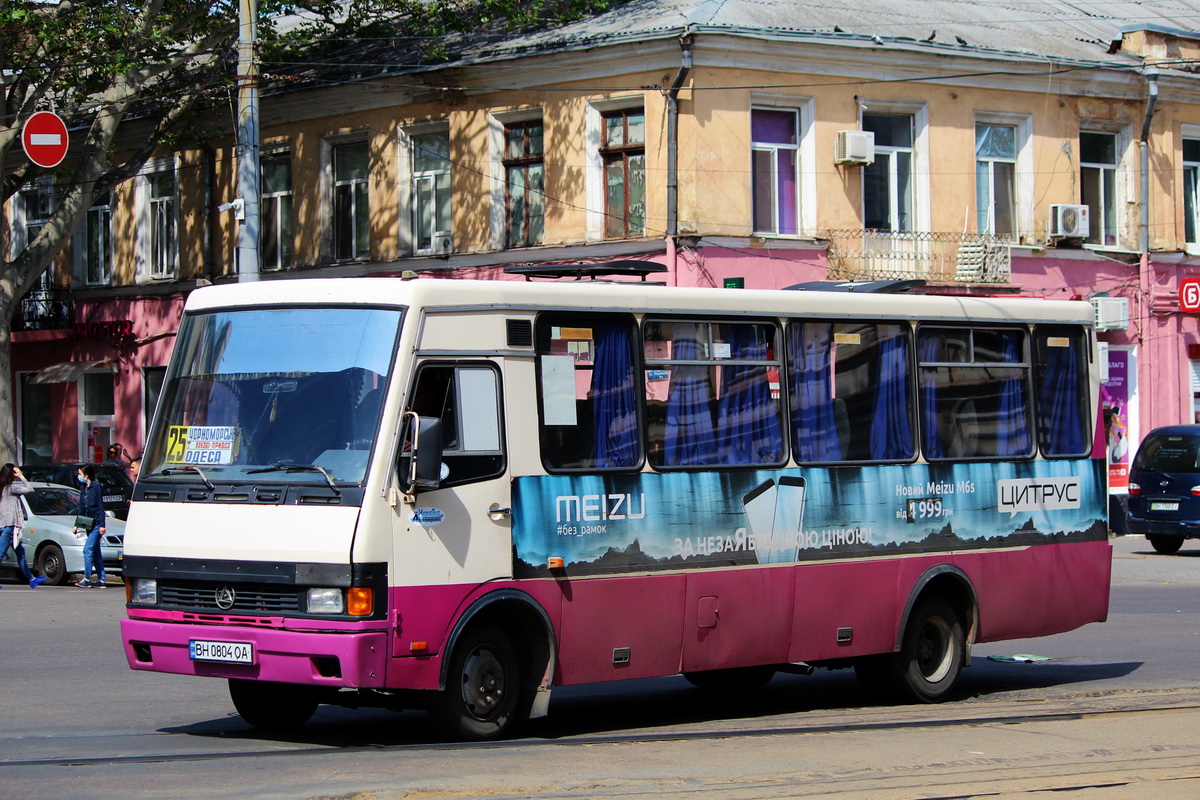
274 393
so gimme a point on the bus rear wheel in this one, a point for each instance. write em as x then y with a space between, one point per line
275 707
1165 545
483 696
929 661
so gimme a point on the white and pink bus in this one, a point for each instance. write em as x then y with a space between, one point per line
460 494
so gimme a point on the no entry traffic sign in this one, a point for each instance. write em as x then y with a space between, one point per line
44 138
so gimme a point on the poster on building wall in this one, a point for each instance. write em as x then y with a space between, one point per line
1116 395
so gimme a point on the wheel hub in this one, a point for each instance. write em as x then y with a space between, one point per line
483 683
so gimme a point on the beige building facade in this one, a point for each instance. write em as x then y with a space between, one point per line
1044 155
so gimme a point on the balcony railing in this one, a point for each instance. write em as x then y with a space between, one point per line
940 257
44 309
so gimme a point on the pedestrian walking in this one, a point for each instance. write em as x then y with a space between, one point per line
12 519
91 505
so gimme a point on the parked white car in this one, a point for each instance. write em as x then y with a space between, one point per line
50 548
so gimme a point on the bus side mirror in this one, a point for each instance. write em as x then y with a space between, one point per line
422 464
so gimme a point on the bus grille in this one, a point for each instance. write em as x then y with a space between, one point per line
248 598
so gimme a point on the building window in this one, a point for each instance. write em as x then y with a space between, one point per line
97 243
995 178
37 415
276 210
35 205
162 231
623 151
1191 190
1098 184
775 150
351 208
888 182
152 383
430 188
525 176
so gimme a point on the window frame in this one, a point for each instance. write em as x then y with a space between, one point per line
710 361
354 185
97 224
901 200
284 230
487 464
792 366
971 362
621 154
522 163
545 323
986 216
158 222
1190 189
426 180
1110 215
773 151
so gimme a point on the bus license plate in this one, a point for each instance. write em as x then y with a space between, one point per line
1164 506
227 652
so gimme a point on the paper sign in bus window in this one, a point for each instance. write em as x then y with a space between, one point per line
202 444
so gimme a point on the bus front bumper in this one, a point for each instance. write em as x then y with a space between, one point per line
356 660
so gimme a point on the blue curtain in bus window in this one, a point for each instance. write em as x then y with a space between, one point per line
1060 401
931 439
689 438
748 430
615 397
891 430
1012 433
814 419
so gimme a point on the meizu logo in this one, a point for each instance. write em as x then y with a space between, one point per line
1037 494
595 507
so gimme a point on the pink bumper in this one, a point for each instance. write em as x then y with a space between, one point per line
336 659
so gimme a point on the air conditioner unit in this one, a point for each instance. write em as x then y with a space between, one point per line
1069 221
1112 313
442 244
854 147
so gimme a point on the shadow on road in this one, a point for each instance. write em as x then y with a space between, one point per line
634 706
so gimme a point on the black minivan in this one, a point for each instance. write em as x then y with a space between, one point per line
1164 487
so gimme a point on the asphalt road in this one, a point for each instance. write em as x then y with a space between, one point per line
1112 713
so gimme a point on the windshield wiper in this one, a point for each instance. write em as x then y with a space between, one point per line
189 468
299 468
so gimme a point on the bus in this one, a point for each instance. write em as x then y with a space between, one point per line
457 495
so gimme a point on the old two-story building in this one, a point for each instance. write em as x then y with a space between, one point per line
1050 150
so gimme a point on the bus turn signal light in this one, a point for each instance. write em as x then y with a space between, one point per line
359 601
418 647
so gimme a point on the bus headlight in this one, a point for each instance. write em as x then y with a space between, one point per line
326 601
144 592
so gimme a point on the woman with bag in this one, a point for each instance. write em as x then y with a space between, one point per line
91 521
12 518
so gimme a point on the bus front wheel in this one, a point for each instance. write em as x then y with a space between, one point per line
929 661
483 694
276 707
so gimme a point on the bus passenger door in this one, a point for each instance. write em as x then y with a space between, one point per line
457 536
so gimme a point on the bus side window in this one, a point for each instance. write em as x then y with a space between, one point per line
588 392
974 393
849 388
1061 368
466 398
